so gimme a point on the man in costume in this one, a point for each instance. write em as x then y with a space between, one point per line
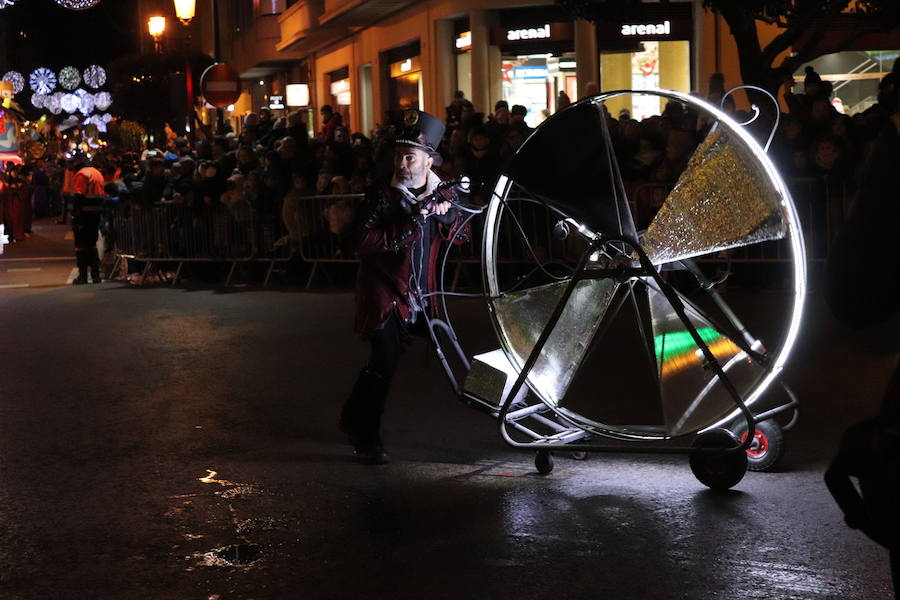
400 232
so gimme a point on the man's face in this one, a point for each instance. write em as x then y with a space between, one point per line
411 166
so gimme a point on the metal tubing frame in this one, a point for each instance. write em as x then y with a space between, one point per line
675 302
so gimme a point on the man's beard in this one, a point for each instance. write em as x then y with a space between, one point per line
404 176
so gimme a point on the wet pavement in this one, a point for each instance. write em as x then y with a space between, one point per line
182 443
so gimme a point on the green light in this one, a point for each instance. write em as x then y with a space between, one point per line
670 345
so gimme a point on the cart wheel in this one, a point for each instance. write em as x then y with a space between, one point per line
729 198
767 447
579 455
718 470
543 462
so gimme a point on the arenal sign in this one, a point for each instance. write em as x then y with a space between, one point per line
664 28
536 33
661 22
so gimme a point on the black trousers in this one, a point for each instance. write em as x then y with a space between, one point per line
361 414
388 342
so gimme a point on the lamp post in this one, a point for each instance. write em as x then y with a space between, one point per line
185 10
156 26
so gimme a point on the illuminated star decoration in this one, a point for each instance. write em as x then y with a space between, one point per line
4 239
4 4
69 78
14 77
77 4
95 76
42 80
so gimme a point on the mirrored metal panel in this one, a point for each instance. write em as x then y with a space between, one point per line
693 396
724 199
569 167
523 315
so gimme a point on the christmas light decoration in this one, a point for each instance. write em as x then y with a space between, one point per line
77 4
39 100
14 77
70 102
53 103
4 4
102 100
42 80
69 78
87 104
95 76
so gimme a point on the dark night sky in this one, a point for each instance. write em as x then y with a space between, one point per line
36 33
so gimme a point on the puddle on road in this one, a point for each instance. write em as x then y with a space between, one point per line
236 489
239 555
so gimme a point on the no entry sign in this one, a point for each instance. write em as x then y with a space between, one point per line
220 85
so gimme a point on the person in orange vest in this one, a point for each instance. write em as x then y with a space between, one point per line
87 204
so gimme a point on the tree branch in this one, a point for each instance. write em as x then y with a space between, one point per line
800 25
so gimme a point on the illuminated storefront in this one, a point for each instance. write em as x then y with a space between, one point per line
854 75
650 50
537 63
404 71
338 83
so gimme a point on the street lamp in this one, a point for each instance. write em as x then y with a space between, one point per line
156 26
184 10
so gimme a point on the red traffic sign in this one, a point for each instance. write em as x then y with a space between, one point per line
220 85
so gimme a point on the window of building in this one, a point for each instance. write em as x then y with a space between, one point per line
854 76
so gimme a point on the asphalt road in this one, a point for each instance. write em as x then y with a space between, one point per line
181 443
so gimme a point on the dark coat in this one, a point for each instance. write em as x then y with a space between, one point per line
386 234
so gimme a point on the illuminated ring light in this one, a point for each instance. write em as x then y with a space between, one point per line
42 80
78 4
4 4
564 171
69 78
15 78
95 76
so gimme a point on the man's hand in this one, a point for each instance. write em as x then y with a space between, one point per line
440 208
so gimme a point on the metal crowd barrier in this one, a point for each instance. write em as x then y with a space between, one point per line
323 231
179 234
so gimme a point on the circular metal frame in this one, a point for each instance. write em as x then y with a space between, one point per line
777 358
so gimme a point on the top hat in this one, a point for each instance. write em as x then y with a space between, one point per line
423 131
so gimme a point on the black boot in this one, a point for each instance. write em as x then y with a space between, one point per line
82 261
361 418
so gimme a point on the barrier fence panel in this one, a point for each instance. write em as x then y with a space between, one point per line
323 230
178 233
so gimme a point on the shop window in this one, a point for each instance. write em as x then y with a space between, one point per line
854 76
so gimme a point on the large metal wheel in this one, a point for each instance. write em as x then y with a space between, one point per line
560 193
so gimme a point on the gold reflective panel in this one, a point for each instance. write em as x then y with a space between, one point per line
693 397
522 315
724 199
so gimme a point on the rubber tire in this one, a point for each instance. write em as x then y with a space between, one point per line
543 462
579 455
718 471
770 436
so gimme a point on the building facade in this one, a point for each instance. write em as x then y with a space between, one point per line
368 57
